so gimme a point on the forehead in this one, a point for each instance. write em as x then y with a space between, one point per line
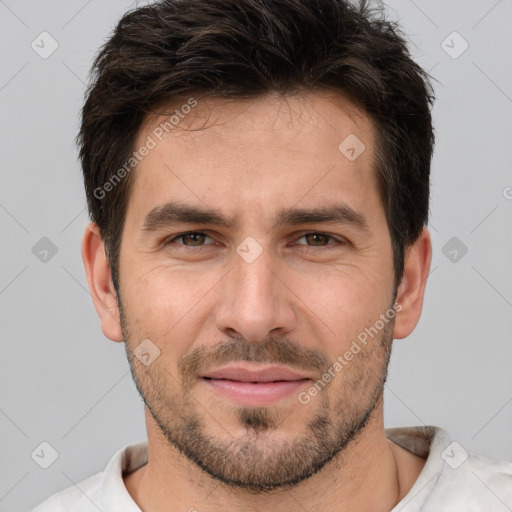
255 153
314 115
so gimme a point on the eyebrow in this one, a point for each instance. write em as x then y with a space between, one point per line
178 213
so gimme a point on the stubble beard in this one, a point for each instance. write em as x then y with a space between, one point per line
260 460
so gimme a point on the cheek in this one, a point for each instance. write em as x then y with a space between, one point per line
343 303
163 304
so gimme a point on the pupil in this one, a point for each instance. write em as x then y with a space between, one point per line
194 236
317 235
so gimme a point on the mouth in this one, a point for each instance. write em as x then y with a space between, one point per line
255 385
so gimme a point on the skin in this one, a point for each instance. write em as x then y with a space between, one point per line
253 158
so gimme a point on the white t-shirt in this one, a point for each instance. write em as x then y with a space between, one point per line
452 480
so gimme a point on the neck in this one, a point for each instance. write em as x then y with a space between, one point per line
371 475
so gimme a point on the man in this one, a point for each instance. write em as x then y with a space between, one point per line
257 174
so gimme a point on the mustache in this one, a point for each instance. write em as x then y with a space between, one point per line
270 351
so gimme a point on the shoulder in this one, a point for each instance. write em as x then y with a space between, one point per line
82 497
103 491
472 482
453 479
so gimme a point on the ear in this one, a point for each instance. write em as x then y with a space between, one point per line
99 277
410 293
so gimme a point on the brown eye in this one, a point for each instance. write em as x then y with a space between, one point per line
193 238
317 239
190 239
320 240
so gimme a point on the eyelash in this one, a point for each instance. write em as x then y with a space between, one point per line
328 247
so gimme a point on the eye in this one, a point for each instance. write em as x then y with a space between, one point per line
198 239
189 239
319 239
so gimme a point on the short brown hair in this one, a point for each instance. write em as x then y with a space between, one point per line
168 50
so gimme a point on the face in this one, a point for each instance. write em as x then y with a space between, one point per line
256 265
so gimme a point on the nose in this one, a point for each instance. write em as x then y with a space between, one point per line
256 300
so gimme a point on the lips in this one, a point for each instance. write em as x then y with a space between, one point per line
255 386
267 374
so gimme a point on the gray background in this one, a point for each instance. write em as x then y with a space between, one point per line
62 382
